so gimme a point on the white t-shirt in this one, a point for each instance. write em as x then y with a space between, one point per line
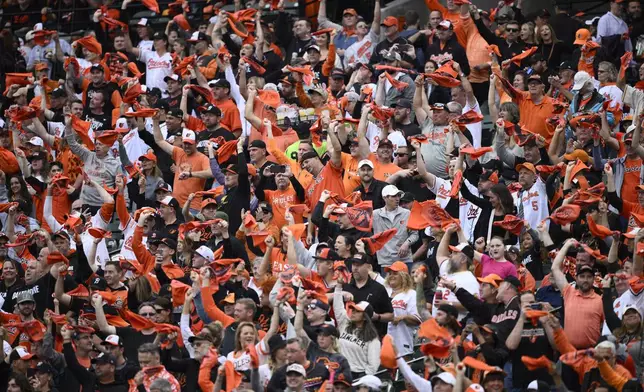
475 129
619 305
404 304
145 45
373 135
156 68
534 203
242 362
465 280
468 213
361 51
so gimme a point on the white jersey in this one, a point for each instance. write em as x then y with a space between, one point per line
468 213
134 146
128 234
373 135
465 280
404 304
613 93
361 51
475 129
533 203
441 189
145 45
156 68
242 361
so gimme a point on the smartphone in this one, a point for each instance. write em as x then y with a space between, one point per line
536 306
275 169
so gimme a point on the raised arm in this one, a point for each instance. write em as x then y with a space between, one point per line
101 321
249 113
334 141
375 24
557 273
158 137
419 93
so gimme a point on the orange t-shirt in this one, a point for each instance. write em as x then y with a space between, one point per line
534 116
280 201
182 188
631 179
229 114
351 179
382 171
278 261
330 178
475 49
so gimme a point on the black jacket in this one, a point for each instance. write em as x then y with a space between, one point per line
451 51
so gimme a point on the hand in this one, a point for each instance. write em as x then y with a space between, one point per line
325 195
606 281
267 172
185 175
452 228
119 181
542 228
403 251
66 332
97 301
270 242
448 284
419 81
419 276
479 244
540 141
608 169
139 377
456 66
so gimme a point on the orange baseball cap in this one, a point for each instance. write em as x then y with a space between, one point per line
582 36
207 202
577 154
41 66
149 156
398 266
527 166
492 279
390 21
350 11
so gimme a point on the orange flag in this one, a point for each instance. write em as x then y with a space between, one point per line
444 81
90 43
380 113
476 153
525 54
431 330
387 353
12 78
598 230
297 230
511 223
378 241
566 214
470 117
397 84
132 93
79 291
258 68
144 113
361 215
533 364
181 21
173 271
233 379
456 184
179 290
269 97
97 232
625 60
226 151
152 5
4 207
478 365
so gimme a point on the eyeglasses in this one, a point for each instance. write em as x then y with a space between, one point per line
512 30
148 314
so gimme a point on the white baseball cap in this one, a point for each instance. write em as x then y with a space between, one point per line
38 27
112 340
36 141
206 253
390 190
445 377
143 22
631 307
29 36
297 368
188 136
166 201
368 381
581 78
533 385
365 162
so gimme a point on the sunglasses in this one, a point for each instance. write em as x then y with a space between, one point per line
512 30
148 314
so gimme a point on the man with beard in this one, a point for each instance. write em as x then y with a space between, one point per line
370 188
211 117
174 89
580 302
96 82
402 118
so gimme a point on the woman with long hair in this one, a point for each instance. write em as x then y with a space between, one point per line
18 383
495 262
18 189
494 207
345 246
527 33
12 280
246 335
550 47
403 300
359 341
140 291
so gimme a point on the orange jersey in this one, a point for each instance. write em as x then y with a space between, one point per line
382 171
631 179
351 178
280 201
229 114
329 178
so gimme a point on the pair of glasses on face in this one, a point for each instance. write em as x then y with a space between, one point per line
512 30
148 314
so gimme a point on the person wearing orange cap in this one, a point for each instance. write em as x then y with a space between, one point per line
531 201
361 51
346 33
403 301
392 36
612 23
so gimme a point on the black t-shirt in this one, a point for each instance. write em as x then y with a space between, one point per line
42 291
99 122
376 294
107 90
6 293
506 320
417 186
408 130
132 340
534 343
208 134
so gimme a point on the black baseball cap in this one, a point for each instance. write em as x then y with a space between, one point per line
514 281
337 73
154 91
105 358
169 242
583 269
407 197
210 108
44 367
58 92
220 83
97 67
162 104
98 283
402 103
319 304
257 144
566 65
175 112
328 329
276 342
449 309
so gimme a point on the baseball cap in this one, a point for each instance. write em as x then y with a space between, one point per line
349 11
98 283
206 202
58 92
582 36
21 352
385 142
492 279
585 268
206 253
535 78
296 368
210 108
397 266
445 25
149 156
328 254
369 381
365 162
527 166
318 90
25 296
578 154
175 112
566 65
223 83
328 329
449 309
402 103
337 73
363 306
391 55
36 141
276 342
112 340
407 197
105 358
173 76
30 35
390 21
228 299
159 36
513 281
446 377
257 144
592 21
201 336
390 190
44 367
188 136
581 78
319 304
163 186
198 36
